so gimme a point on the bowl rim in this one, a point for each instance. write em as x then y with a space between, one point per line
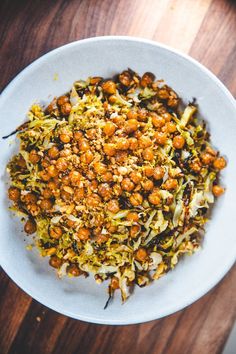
139 318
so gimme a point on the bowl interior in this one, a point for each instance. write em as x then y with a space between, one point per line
81 298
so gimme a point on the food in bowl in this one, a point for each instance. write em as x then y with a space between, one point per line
115 178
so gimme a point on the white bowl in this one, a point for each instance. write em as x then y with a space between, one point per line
82 298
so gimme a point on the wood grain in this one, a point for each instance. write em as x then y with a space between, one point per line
207 30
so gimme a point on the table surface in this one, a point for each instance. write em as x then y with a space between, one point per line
206 29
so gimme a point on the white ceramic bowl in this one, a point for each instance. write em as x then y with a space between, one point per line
194 276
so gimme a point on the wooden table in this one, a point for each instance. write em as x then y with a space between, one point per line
206 29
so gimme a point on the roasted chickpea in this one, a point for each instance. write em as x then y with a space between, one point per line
14 194
206 158
87 157
121 156
78 135
62 100
65 180
84 145
131 125
160 138
101 238
158 172
117 190
52 171
52 185
211 151
157 121
33 209
30 198
47 193
83 234
170 127
154 198
109 149
132 216
144 142
44 176
127 185
93 200
95 80
219 163
107 177
74 177
195 165
147 79
66 108
167 116
52 107
114 283
109 87
119 121
148 170
125 78
122 144
217 190
148 185
134 230
61 164
136 177
65 138
142 114
73 270
21 162
163 94
170 184
105 191
113 206
100 168
46 204
178 142
65 196
141 254
53 152
45 163
148 154
79 194
132 114
136 199
133 143
55 262
91 134
30 226
34 157
111 228
109 129
138 134
55 232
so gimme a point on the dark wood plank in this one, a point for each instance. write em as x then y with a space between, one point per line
204 28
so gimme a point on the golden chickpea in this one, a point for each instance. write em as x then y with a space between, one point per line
21 162
109 149
30 226
131 125
52 107
84 145
211 151
65 138
55 232
62 100
66 108
45 163
217 190
195 165
65 180
113 206
65 196
137 134
53 152
144 142
121 156
136 199
142 115
34 157
44 176
119 121
148 185
170 127
117 190
46 204
55 262
61 164
157 121
83 234
133 143
93 185
134 230
163 94
141 254
52 185
147 79
95 80
148 170
100 238
91 134
109 87
132 114
30 198
78 135
93 200
87 157
33 209
136 177
178 142
132 216
74 270
122 144
167 116
109 129
47 193
79 194
100 168
127 185
114 283
148 154
125 78
111 228
206 158
170 184
154 198
74 177
104 190
52 171
14 194
107 177
160 138
219 163
158 172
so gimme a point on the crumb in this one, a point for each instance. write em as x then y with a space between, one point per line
38 319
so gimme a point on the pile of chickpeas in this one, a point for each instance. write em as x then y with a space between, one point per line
90 170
